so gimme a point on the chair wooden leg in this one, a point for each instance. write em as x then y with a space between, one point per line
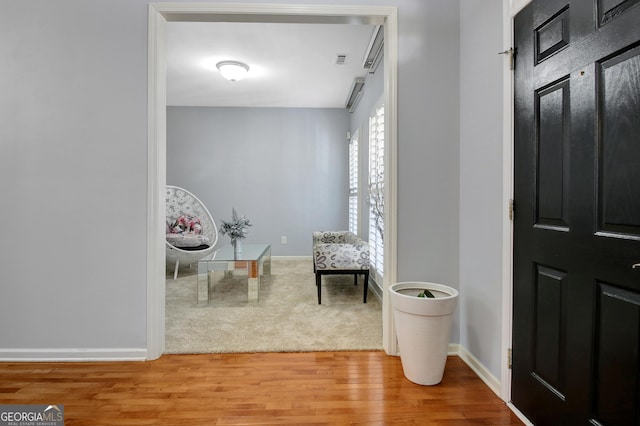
318 285
366 286
355 279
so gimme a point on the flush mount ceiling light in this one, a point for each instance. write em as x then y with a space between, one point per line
233 70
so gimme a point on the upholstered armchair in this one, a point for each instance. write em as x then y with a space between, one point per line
340 252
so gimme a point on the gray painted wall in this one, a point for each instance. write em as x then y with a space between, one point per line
428 146
481 162
73 172
286 169
73 168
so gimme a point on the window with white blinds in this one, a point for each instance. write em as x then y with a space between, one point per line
353 184
376 189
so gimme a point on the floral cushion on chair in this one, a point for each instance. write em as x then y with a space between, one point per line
186 232
187 240
330 237
184 224
339 250
341 256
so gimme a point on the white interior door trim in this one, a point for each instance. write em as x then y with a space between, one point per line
510 9
159 15
156 181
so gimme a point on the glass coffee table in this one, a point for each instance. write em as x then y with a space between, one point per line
255 259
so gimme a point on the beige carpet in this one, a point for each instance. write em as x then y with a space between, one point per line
286 319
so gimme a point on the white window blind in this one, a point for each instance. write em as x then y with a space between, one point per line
376 189
353 184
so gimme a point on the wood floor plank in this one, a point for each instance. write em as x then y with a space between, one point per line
322 388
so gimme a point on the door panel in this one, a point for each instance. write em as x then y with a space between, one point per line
619 85
610 9
550 328
552 35
576 323
617 361
552 117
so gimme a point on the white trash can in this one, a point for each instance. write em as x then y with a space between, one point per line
423 327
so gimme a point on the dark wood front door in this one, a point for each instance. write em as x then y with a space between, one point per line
576 307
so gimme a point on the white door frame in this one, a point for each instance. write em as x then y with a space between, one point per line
159 15
509 9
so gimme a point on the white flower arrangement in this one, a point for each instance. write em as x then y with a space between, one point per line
237 228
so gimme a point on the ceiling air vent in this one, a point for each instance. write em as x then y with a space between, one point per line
354 94
340 59
375 50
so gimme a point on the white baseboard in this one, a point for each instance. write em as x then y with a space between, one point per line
485 375
309 258
483 372
519 414
72 355
453 349
375 289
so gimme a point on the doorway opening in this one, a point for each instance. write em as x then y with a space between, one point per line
159 15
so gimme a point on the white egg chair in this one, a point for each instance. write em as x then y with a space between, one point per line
186 248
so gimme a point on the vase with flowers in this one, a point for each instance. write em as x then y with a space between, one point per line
236 229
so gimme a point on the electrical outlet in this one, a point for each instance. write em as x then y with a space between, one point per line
283 239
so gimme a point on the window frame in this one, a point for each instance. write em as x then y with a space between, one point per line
376 189
354 183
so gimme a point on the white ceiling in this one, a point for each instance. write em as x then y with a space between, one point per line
291 65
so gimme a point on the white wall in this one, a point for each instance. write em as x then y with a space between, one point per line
73 169
286 169
73 158
428 146
481 73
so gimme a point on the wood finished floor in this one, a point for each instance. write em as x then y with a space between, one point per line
321 388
